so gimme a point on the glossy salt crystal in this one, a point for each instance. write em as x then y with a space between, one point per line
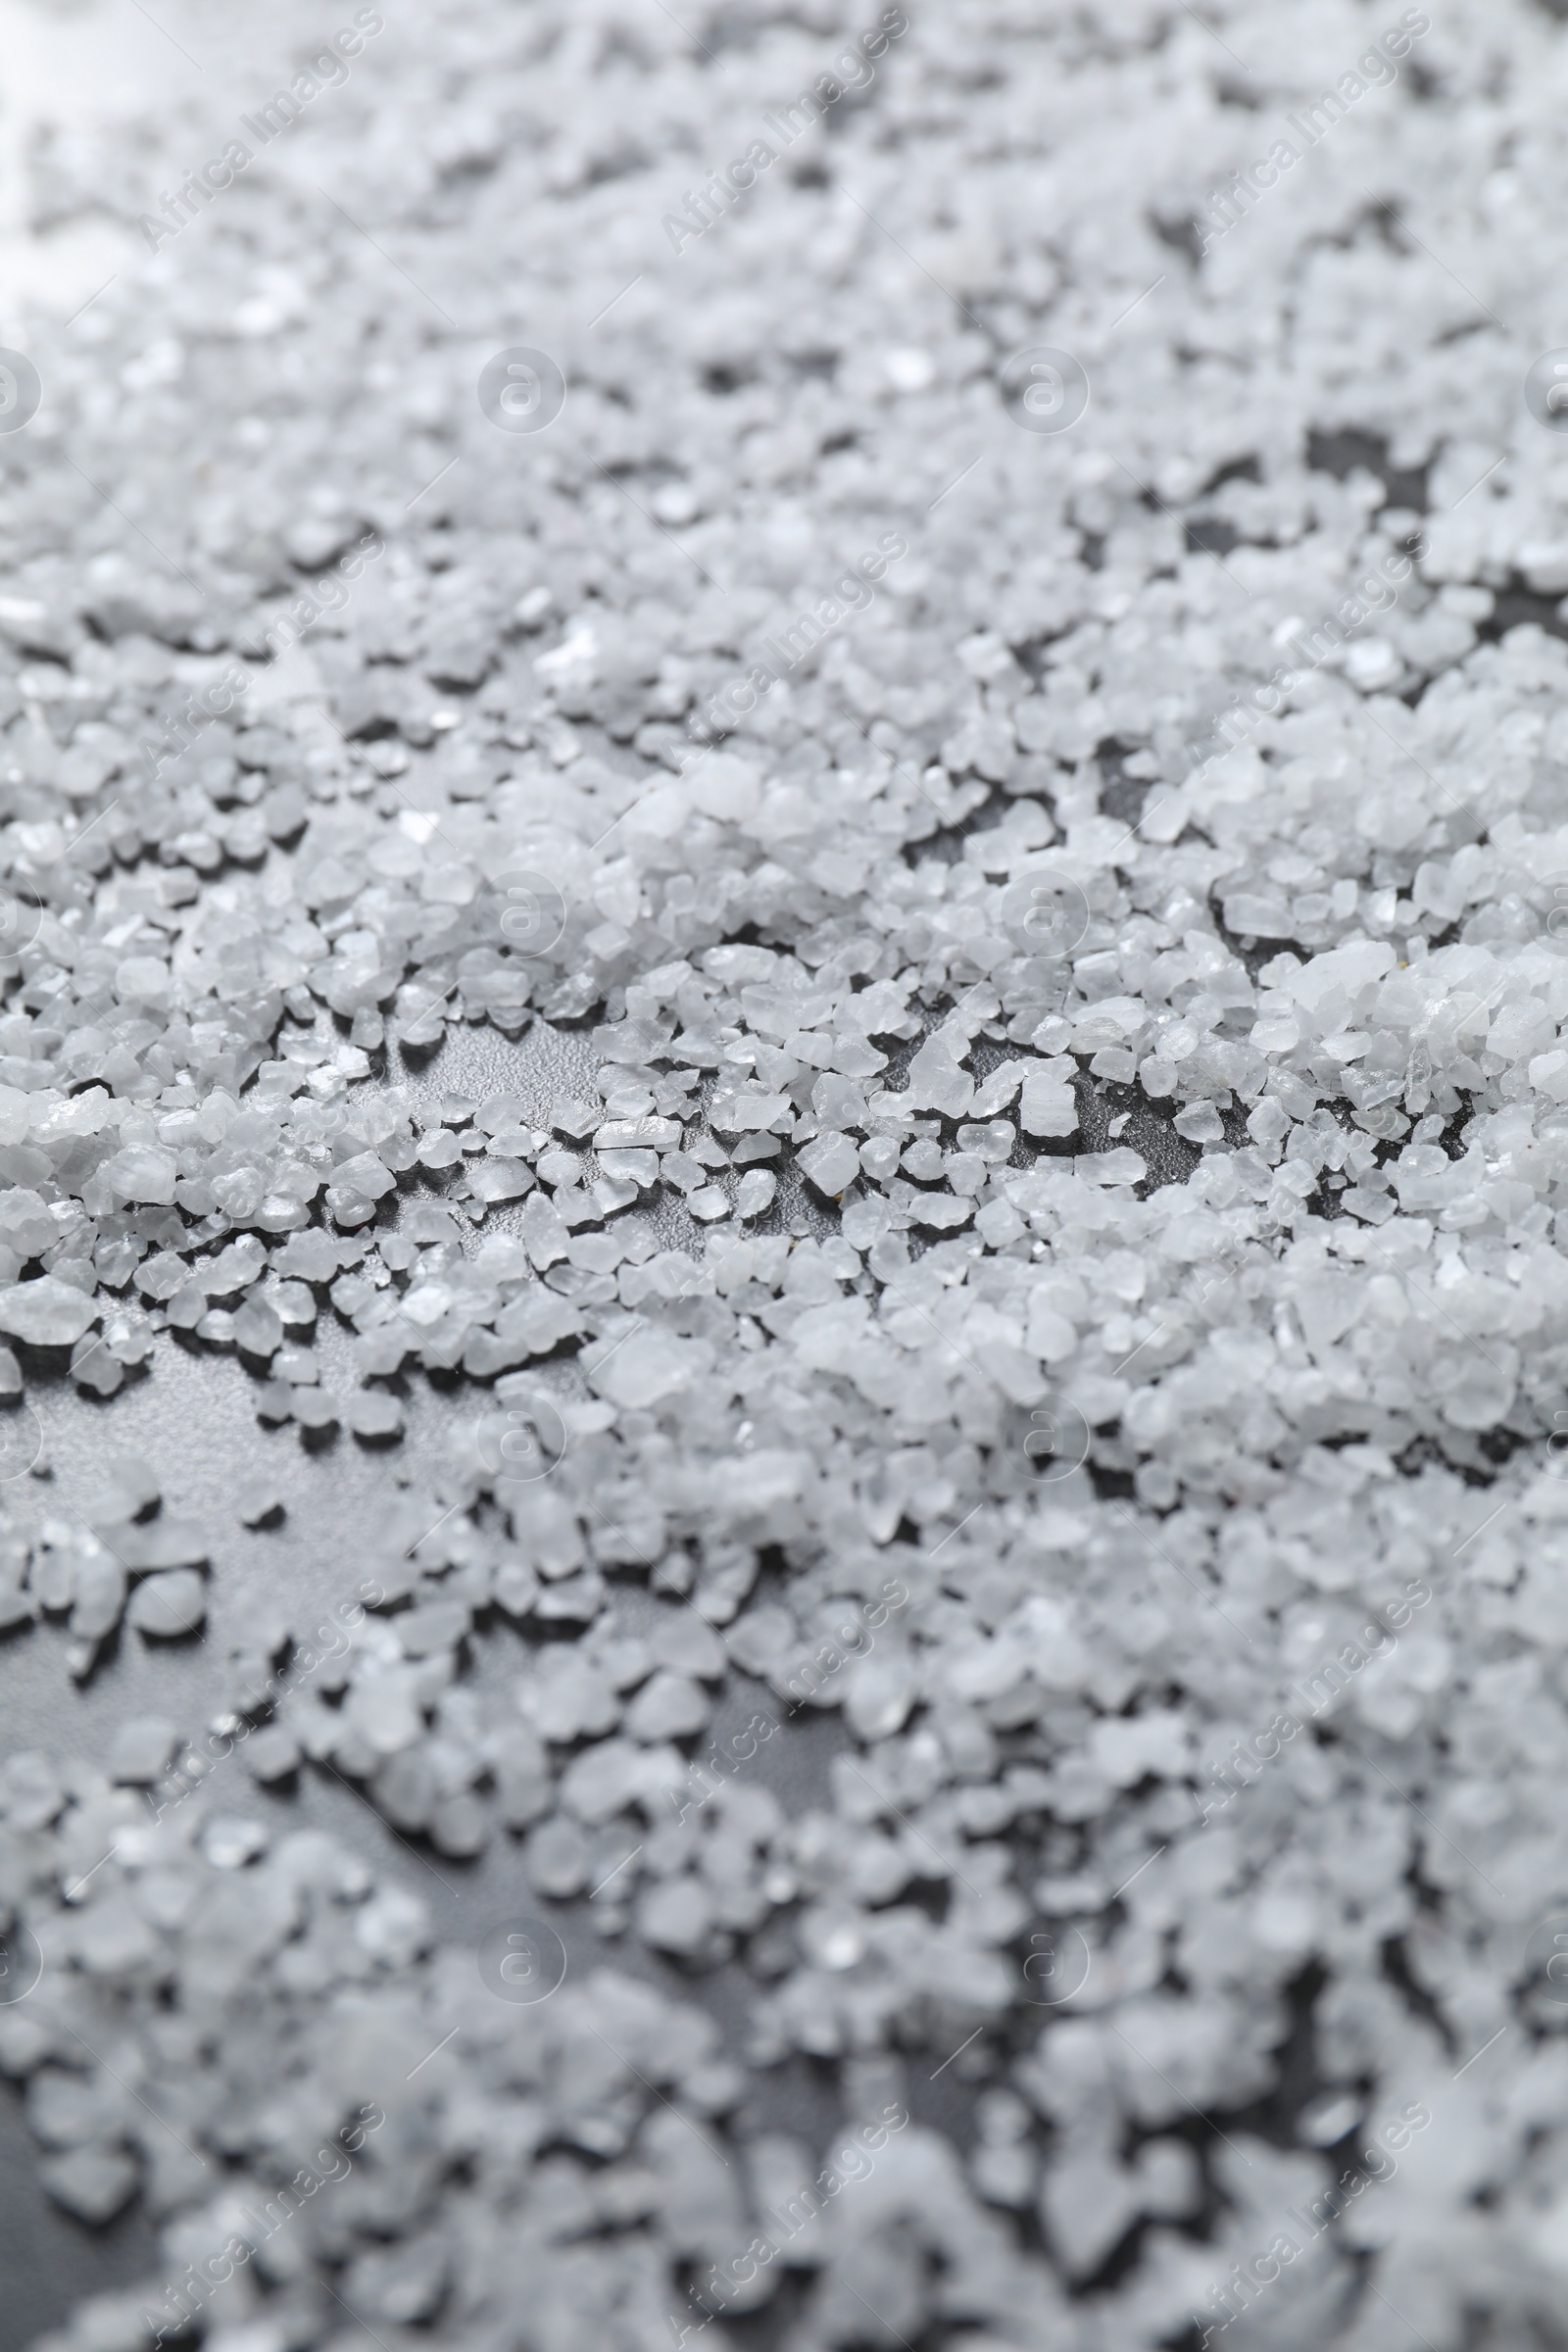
832 1162
668 1708
229 1842
371 1414
314 1408
755 1193
142 1173
141 1748
259 1498
168 1604
1077 1438
46 1312
258 1328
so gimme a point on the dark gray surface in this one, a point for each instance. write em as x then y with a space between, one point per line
192 1417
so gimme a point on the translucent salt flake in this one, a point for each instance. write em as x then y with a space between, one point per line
937 1079
1373 665
144 1173
744 1110
93 1366
314 1408
373 1414
877 1696
909 369
313 1256
100 1595
93 2183
111 1935
496 1180
163 1543
1119 1166
252 2335
258 1327
1088 2202
668 1708
129 1486
229 1842
570 1117
384 1709
169 1604
392 1926
544 1231
755 1193
1521 1030
649 1365
433 1626
459 1826
940 1211
46 1312
272 1753
683 1643
647 1134
52 1576
365 1177
425 1303
832 1162
1047 1106
573 1696
258 1499
439 1149
604 1780
676 1917
1200 1123
141 1748
557 1858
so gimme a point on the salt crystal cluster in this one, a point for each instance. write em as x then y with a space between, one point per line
1048 1269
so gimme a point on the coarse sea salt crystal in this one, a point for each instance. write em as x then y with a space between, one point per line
141 1748
1298 1366
371 1414
46 1312
258 1499
168 1604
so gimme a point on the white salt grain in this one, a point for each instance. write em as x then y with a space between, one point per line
169 1604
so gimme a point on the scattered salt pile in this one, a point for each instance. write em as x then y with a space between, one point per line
1052 1260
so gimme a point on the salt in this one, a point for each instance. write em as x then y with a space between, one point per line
169 1604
